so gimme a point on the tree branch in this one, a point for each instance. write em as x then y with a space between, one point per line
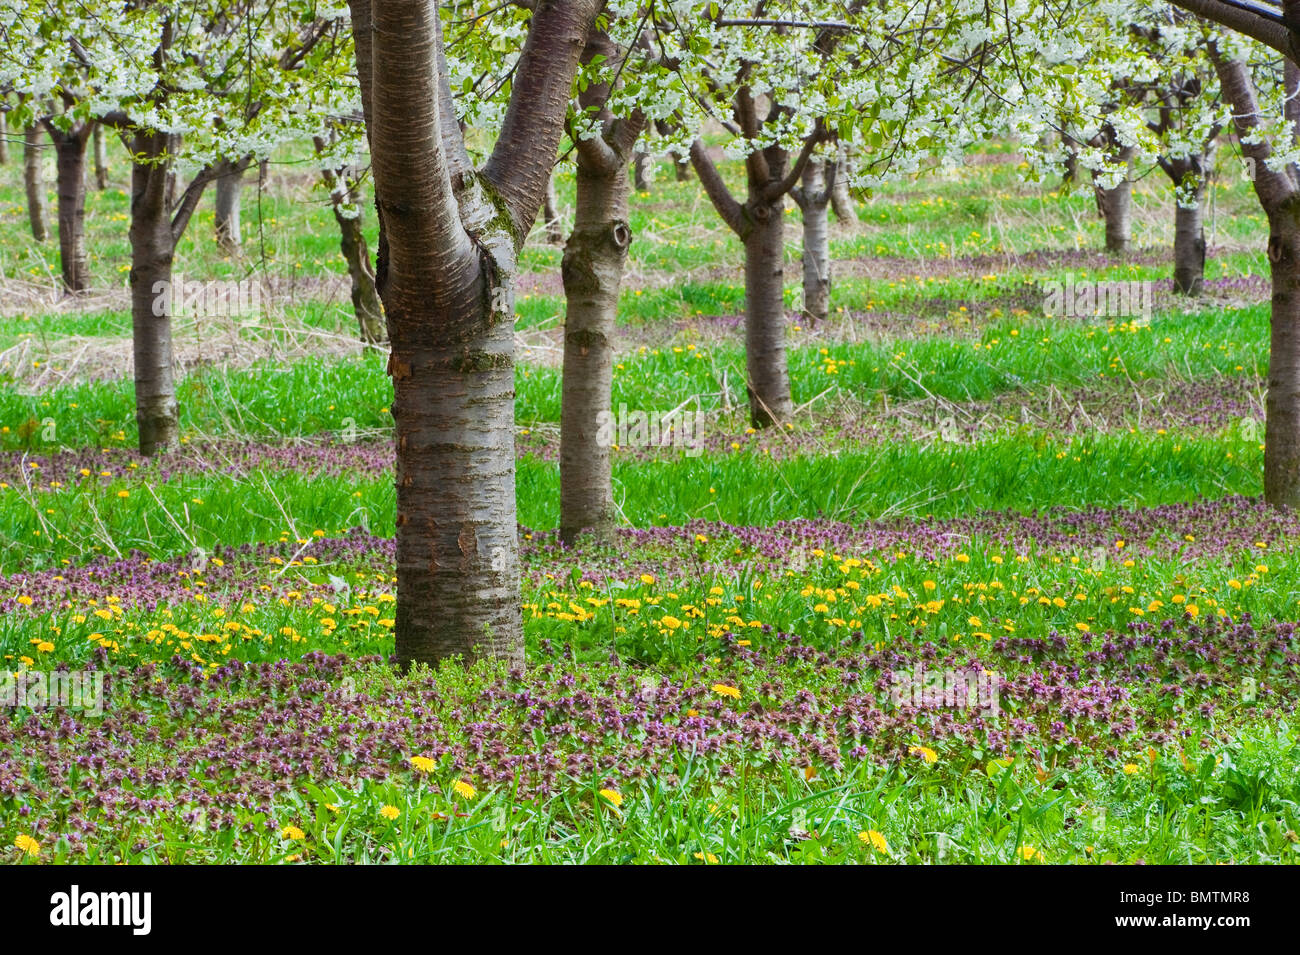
728 208
538 103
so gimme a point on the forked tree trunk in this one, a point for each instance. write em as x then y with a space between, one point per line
38 206
446 284
152 246
551 214
814 199
70 166
760 225
155 229
1279 194
230 188
594 258
101 158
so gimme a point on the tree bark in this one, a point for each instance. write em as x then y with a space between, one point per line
841 201
70 166
639 178
760 225
768 382
155 229
229 190
157 414
1116 205
4 137
1189 246
101 158
814 200
451 237
551 214
594 258
1279 195
34 178
345 199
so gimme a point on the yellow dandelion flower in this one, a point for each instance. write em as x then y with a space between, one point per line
390 812
723 690
421 764
614 797
464 790
875 840
292 832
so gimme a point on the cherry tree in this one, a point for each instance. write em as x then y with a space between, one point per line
450 235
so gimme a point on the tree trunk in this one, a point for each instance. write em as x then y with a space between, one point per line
1279 195
447 287
841 201
152 246
551 214
34 179
101 158
593 270
70 159
365 299
1189 246
229 189
1116 207
1282 405
4 137
814 199
765 358
640 181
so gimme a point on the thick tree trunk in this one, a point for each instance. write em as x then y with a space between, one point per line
70 159
1279 195
101 158
841 201
1189 247
1282 406
593 270
152 247
230 187
38 206
551 214
814 198
765 355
